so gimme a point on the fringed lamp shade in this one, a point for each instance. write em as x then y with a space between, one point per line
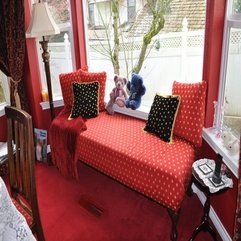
42 23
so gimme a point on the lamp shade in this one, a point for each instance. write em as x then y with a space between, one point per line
42 23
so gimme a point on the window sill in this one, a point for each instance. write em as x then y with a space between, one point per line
141 113
58 102
209 135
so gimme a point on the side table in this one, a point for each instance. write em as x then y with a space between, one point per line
202 172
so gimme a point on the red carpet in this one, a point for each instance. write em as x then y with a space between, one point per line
127 215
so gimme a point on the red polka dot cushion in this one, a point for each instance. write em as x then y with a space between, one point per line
96 76
66 81
142 161
191 113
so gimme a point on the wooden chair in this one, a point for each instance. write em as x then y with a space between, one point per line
21 164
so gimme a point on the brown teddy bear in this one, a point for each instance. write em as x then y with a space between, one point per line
118 94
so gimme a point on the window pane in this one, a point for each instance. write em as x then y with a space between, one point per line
232 107
175 53
4 88
2 96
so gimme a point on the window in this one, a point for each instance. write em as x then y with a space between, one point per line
229 108
91 15
237 7
98 14
60 47
131 10
4 92
2 95
227 114
175 53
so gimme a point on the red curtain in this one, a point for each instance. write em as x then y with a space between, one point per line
237 224
12 46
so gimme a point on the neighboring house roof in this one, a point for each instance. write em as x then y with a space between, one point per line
194 11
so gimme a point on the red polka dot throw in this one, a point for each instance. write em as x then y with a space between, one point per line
191 113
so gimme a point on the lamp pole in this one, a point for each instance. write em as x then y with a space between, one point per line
46 57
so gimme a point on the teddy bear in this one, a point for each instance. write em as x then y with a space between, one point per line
118 95
136 89
230 141
227 137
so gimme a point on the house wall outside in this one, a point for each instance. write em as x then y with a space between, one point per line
104 7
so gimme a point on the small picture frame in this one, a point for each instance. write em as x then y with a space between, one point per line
215 184
205 169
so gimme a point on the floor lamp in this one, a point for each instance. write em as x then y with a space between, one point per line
42 24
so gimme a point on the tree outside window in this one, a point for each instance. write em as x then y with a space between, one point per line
164 43
229 112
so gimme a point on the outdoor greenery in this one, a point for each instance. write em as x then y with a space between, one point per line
237 6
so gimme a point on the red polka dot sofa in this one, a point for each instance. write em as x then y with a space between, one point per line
118 146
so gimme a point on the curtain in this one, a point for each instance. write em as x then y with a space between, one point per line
12 47
237 224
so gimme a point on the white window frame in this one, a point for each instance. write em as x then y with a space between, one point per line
232 20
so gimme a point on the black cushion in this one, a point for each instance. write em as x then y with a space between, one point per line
161 118
86 99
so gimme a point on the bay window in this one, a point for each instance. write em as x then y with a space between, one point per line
227 116
229 109
175 53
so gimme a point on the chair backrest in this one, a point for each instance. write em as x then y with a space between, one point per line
21 163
